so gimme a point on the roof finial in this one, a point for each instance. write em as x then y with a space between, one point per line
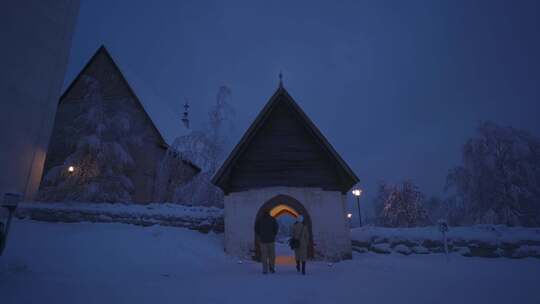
185 117
280 79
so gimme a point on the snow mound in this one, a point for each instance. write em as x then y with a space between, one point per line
204 219
163 209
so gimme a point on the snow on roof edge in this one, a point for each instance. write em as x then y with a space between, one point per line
145 94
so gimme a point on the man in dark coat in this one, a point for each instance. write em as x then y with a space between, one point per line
266 230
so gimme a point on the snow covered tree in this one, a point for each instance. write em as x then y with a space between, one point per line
206 149
499 180
448 209
173 171
400 205
220 122
382 194
96 169
435 208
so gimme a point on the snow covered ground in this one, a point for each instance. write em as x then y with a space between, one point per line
119 263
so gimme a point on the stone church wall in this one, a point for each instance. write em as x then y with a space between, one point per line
118 100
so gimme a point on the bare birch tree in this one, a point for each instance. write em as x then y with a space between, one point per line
499 180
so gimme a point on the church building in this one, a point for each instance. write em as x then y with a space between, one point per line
104 109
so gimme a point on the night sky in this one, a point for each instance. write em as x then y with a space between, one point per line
395 86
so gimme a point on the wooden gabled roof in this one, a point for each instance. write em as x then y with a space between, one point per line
345 176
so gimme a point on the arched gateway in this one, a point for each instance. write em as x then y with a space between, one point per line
284 204
284 164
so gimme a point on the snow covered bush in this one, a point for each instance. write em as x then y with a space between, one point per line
400 205
95 170
499 180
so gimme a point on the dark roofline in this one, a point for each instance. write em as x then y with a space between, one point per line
185 161
81 72
192 165
103 49
257 124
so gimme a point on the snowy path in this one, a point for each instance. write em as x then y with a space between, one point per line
117 263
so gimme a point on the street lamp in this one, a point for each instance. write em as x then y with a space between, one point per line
357 192
71 169
349 219
10 202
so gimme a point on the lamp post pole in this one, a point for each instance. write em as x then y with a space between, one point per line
357 192
359 213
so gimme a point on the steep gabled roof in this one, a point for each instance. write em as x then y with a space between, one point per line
130 83
136 89
221 178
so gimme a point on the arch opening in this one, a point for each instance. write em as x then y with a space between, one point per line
279 206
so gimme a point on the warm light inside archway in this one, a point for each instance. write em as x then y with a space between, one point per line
284 257
281 209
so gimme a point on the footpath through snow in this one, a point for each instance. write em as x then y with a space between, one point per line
119 263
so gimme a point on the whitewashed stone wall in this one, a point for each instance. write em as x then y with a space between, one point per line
36 39
331 234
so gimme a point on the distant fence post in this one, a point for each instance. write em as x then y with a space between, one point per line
443 228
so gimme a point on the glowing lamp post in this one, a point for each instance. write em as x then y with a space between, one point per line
71 169
357 192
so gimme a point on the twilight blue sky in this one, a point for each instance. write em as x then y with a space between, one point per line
396 86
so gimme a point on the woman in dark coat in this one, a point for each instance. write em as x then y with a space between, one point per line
300 232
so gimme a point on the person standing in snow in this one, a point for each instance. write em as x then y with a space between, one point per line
300 242
266 230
